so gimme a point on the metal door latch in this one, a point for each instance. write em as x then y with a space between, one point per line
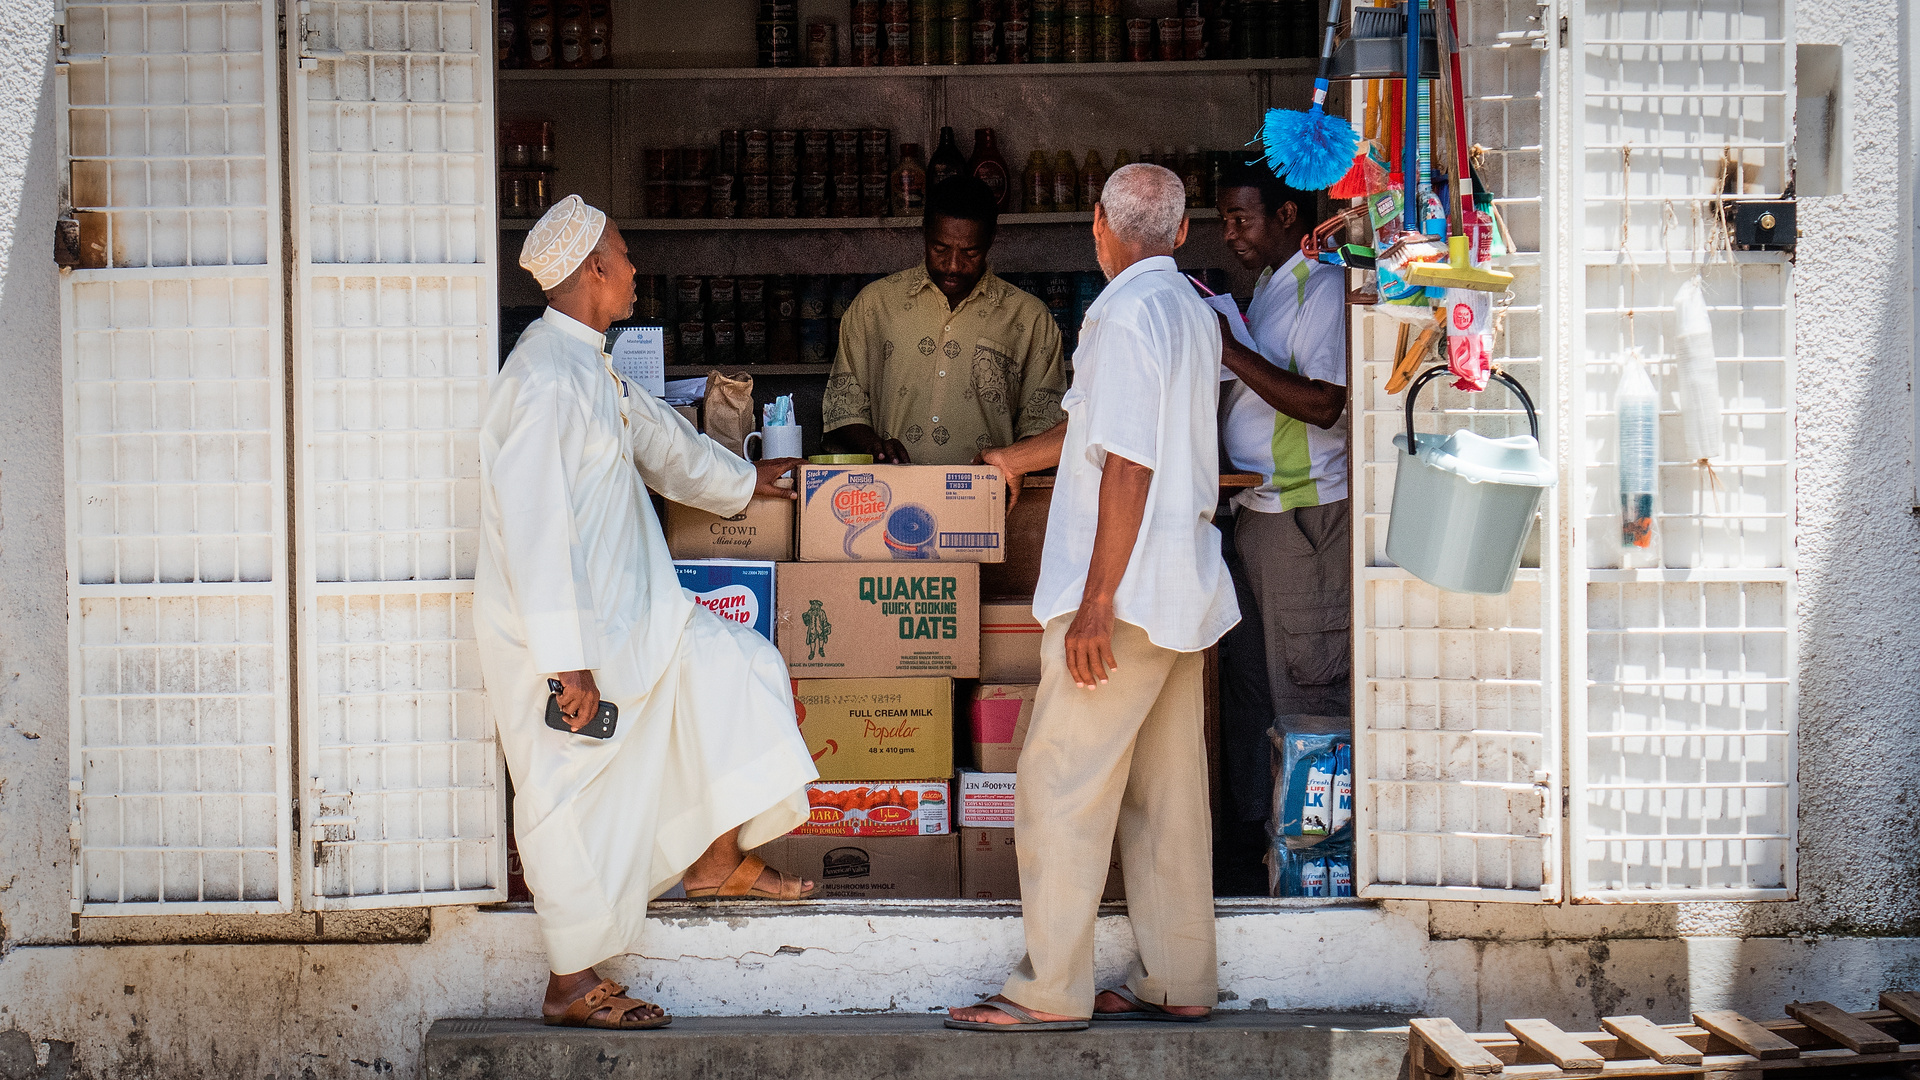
1763 225
310 51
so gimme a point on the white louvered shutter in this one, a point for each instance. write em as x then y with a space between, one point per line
1456 716
176 539
1682 747
394 228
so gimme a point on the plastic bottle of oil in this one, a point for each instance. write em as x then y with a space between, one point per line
1066 183
1036 184
1093 177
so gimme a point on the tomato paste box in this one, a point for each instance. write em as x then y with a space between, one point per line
877 729
910 513
734 589
877 809
879 620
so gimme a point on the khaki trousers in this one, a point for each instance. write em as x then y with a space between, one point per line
1130 755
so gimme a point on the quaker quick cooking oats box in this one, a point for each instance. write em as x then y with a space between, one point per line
879 620
902 513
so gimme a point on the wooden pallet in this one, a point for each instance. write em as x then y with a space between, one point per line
1814 1035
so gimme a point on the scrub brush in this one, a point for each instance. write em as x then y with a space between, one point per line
1311 150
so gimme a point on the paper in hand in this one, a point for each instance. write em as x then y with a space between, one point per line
1225 305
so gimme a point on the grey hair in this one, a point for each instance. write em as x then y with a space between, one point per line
1145 204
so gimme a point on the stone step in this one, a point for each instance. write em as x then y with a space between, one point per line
1233 1046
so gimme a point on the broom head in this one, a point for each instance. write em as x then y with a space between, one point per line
1367 176
1309 150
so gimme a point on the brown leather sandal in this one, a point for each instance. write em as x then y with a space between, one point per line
743 884
619 1011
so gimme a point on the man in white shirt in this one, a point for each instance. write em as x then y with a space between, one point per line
1285 418
1132 591
575 584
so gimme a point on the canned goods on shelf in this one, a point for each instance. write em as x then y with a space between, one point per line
783 196
1043 37
822 44
755 153
816 151
1109 39
876 150
983 44
783 152
923 44
692 198
863 11
696 162
720 199
1016 41
755 197
1139 39
896 47
1196 36
727 159
846 195
660 198
814 195
873 195
844 156
1076 44
866 44
956 40
956 9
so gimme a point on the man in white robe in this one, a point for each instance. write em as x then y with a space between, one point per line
575 583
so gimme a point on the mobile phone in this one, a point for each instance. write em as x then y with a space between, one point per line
600 727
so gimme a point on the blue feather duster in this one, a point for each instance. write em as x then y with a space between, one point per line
1309 150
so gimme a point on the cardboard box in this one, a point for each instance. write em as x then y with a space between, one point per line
887 513
1026 538
1009 642
877 729
990 867
886 868
983 799
734 589
879 621
877 809
997 720
764 530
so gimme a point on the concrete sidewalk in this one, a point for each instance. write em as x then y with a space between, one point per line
1234 1046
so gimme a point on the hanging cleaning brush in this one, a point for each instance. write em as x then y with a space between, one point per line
1311 150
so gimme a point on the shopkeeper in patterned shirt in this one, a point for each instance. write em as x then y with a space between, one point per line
945 360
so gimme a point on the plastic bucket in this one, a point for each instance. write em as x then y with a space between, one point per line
1463 504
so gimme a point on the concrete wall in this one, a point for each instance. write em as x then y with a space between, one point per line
351 995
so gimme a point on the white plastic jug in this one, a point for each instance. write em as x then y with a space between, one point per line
1463 504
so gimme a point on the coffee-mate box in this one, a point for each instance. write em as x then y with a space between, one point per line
877 729
737 590
764 530
902 513
879 620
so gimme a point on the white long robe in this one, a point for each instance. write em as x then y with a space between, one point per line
574 574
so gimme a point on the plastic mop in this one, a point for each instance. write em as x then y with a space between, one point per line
1459 271
1311 150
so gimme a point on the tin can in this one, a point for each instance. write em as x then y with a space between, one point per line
778 44
1044 41
816 341
844 153
1015 41
691 197
863 11
923 45
876 151
1076 44
722 343
660 198
956 40
821 44
660 163
1196 36
1139 39
1070 8
816 151
815 293
923 10
845 289
720 199
956 9
1109 39
1048 9
727 158
755 197
723 301
752 292
844 191
866 44
1172 37
693 341
696 162
1106 9
783 153
783 299
814 193
896 46
754 153
983 45
648 303
892 11
873 195
753 341
783 195
1017 11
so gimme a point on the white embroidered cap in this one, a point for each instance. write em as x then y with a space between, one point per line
561 241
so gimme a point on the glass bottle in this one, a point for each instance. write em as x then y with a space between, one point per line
539 31
1037 184
907 187
1066 183
991 169
1093 177
946 160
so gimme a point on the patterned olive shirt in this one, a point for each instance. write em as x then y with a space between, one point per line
948 383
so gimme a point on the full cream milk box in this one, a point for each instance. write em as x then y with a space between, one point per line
902 513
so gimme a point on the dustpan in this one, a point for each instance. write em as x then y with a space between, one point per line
1463 504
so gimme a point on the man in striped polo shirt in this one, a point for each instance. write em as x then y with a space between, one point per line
1284 417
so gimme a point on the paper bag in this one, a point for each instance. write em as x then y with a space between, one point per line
729 410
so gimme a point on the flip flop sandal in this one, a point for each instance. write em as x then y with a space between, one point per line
1146 1011
1022 1020
743 884
619 1011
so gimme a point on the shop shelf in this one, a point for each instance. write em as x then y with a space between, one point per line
695 371
1289 66
795 224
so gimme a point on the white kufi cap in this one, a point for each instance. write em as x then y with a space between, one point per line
561 241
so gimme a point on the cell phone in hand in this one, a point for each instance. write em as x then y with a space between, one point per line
600 727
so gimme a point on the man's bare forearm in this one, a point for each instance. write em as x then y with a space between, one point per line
1123 506
1035 452
1308 400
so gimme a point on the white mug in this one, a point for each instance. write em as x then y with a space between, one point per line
775 442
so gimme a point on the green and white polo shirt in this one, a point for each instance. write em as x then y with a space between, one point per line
1297 317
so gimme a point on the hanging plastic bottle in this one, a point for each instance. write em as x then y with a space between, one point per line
1638 408
1692 334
